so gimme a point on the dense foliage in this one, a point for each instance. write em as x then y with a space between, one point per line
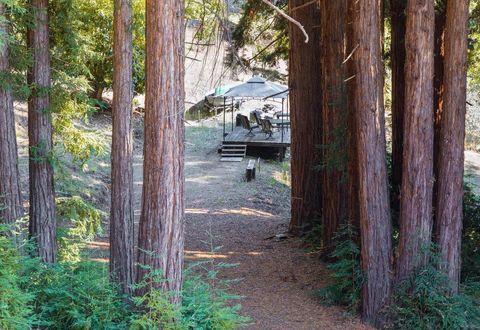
80 295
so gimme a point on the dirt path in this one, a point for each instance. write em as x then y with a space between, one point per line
277 278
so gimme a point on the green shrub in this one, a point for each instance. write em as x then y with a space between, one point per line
74 296
206 305
471 234
422 303
346 276
15 312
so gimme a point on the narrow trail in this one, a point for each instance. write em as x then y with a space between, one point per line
231 221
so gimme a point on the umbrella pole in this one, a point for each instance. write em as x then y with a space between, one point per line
224 108
282 117
232 114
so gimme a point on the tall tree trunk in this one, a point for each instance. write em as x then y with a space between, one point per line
42 194
352 179
161 233
449 203
11 207
306 117
122 217
374 210
398 8
417 179
334 108
438 84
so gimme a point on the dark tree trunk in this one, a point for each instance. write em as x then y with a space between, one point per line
42 194
416 217
352 179
306 117
449 203
398 8
374 210
122 217
438 81
161 233
334 108
11 207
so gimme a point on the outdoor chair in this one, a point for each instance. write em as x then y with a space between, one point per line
267 128
246 125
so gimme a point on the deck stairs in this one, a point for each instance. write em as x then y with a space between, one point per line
233 152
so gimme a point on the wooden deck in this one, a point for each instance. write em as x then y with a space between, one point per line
238 136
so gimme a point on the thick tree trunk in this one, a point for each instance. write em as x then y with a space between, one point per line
416 217
335 114
398 8
42 194
374 210
122 217
161 233
449 203
306 117
11 207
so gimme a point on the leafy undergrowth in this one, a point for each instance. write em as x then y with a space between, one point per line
76 293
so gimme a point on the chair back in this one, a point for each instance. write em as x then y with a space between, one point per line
267 126
245 122
257 116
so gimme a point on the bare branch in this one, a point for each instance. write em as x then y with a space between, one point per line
288 18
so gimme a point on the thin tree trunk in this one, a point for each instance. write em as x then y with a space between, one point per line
449 203
438 85
416 217
42 194
122 216
161 233
335 115
306 118
374 210
398 8
11 207
353 206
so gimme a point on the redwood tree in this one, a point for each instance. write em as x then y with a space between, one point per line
397 9
42 194
334 108
306 116
10 197
449 199
374 211
417 178
161 232
122 217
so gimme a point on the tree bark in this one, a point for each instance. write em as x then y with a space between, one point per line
416 217
438 81
353 206
42 194
398 8
11 207
374 210
161 233
306 117
122 211
334 108
449 203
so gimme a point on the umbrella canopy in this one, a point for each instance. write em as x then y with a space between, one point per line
258 87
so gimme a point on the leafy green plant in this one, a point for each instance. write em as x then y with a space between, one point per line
471 234
346 274
15 311
74 296
422 302
82 222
